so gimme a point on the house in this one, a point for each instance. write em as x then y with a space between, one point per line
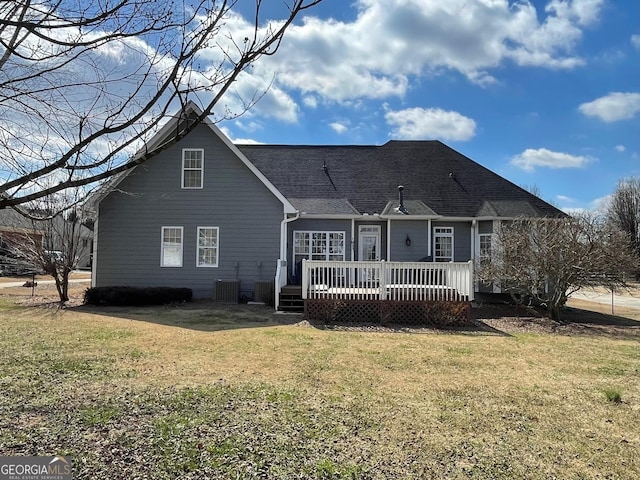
15 229
205 213
22 238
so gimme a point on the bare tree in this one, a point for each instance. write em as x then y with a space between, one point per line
546 260
623 210
72 112
58 240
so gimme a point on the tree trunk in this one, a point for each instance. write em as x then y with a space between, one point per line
62 285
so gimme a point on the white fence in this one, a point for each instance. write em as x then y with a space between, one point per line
418 281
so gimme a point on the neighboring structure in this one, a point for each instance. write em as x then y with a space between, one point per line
206 210
14 230
17 230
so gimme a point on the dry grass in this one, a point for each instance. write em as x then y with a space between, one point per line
605 309
261 394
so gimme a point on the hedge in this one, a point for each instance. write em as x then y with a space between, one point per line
135 296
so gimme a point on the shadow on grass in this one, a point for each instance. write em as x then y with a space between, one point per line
207 315
499 319
200 314
574 321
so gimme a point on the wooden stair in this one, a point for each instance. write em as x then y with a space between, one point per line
291 299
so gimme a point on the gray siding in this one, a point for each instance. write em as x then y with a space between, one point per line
418 232
232 198
485 226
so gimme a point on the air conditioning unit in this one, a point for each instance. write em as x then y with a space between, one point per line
264 292
227 291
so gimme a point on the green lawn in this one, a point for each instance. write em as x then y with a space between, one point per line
170 393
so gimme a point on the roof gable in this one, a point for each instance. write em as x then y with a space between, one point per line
161 137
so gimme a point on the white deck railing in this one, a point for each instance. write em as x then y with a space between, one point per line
384 280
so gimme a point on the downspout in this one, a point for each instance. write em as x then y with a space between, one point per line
475 240
94 255
429 253
283 255
353 239
388 239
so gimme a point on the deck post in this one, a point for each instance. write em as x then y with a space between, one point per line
471 282
382 280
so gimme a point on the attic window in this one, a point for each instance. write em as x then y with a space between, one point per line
192 167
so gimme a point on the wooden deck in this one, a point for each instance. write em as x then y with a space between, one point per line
397 281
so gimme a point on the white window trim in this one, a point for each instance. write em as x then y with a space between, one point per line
183 170
217 229
327 253
162 246
480 238
444 232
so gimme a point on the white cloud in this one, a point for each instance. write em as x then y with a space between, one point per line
338 127
601 204
620 148
376 54
541 157
310 101
613 107
635 41
431 123
245 141
373 56
598 205
564 198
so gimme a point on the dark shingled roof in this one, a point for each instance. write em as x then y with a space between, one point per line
436 179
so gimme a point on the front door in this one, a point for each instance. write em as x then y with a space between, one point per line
369 251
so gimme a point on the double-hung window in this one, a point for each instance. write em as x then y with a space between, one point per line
192 167
443 244
207 254
171 253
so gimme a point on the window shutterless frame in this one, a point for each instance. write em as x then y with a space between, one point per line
172 240
207 247
317 245
192 168
485 248
443 244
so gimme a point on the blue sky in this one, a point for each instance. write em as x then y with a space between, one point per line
543 93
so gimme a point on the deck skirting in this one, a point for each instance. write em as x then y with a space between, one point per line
389 312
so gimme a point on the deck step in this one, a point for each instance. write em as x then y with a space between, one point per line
291 299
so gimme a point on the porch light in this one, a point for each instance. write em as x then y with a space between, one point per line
407 241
